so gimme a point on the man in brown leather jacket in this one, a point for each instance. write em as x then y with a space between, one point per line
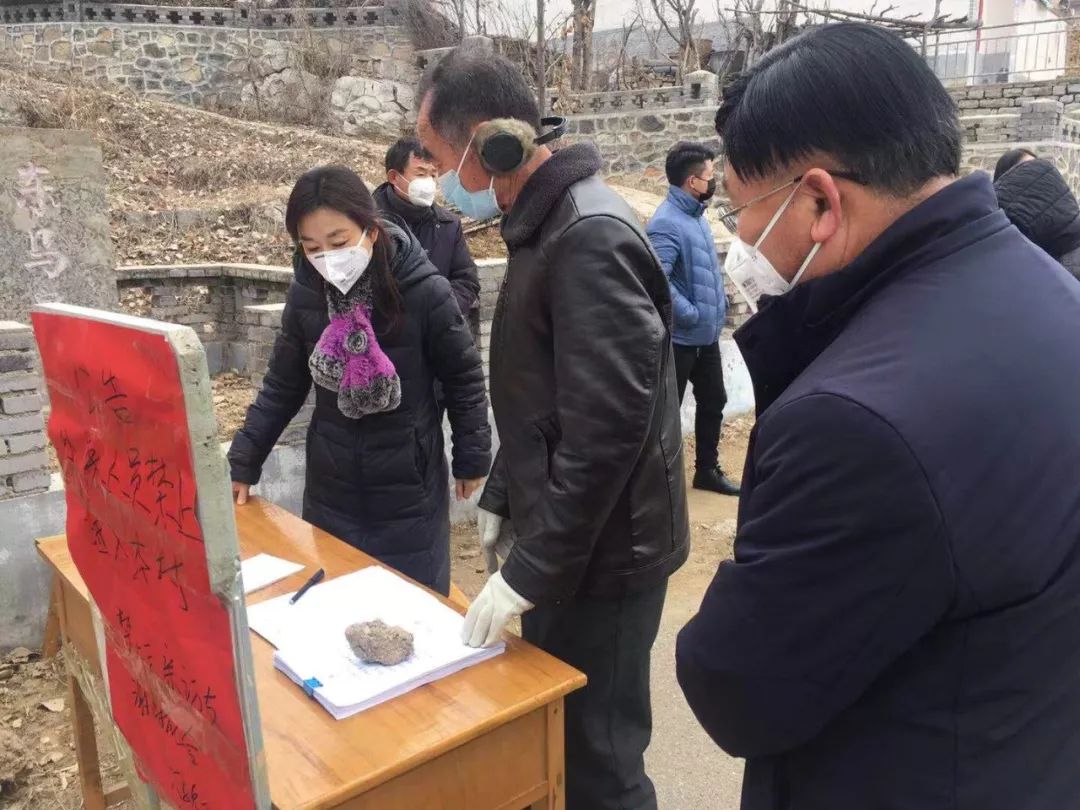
590 472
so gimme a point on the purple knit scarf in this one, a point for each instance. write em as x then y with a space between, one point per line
348 358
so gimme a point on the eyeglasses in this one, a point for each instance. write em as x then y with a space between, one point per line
729 215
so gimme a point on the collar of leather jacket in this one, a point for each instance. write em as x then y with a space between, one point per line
544 189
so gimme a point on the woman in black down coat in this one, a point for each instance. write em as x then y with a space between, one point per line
1038 201
373 324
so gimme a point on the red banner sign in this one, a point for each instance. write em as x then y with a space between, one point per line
120 429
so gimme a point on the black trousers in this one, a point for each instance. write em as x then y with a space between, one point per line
609 722
701 366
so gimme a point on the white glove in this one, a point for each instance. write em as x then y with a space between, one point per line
489 525
491 611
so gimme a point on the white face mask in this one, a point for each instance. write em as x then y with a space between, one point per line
421 191
752 273
344 267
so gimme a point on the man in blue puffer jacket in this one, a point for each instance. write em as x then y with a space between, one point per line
684 242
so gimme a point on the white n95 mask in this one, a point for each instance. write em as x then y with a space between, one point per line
344 267
421 191
752 273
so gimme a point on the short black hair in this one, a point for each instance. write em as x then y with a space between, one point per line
1010 159
684 159
402 150
851 91
470 86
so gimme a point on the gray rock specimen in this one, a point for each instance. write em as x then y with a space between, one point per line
378 643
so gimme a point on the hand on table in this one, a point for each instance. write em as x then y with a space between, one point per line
491 611
241 492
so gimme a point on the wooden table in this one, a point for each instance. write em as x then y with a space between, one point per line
490 736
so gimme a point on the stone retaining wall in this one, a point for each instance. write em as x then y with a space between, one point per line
244 14
208 67
634 145
699 89
634 131
634 140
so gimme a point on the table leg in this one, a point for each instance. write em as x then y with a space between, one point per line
556 755
86 751
50 644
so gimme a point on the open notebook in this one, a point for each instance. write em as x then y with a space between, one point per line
313 652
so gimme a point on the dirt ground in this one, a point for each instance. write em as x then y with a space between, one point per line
162 157
486 244
233 394
37 758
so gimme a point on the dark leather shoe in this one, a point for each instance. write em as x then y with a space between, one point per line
714 480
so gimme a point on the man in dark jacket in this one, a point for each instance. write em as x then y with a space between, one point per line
683 240
409 194
1038 201
589 472
900 627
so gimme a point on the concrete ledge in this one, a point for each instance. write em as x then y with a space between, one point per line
252 272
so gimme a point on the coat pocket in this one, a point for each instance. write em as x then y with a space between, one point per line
423 451
547 434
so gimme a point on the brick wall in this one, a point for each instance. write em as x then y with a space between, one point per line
235 309
1007 98
213 300
24 463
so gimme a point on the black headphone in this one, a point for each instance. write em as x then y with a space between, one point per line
505 145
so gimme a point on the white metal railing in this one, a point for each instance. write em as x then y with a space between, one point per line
1030 51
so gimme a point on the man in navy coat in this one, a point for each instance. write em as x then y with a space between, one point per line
900 627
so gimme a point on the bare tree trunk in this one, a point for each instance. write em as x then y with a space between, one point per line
575 53
587 49
541 59
581 55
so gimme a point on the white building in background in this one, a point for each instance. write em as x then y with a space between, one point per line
1019 40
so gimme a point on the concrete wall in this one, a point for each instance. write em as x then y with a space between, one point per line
54 222
24 581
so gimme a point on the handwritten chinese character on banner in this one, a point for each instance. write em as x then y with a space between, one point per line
120 429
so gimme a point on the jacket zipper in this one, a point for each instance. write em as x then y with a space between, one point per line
497 327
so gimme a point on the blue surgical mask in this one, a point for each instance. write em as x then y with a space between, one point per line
473 204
